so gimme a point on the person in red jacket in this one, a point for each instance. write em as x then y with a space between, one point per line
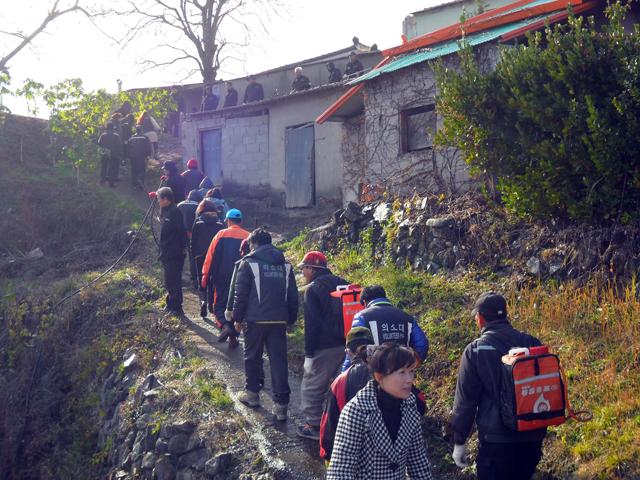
218 267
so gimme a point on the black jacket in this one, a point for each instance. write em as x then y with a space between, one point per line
209 102
317 311
176 183
112 142
173 235
192 180
139 147
253 93
265 289
335 75
478 383
188 209
353 67
179 99
231 99
204 229
300 83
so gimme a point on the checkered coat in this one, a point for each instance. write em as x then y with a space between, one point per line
363 449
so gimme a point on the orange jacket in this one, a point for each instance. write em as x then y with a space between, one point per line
223 253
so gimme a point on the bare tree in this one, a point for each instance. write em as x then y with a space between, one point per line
26 39
204 32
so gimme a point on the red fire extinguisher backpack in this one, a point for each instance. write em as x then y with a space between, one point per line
533 392
345 303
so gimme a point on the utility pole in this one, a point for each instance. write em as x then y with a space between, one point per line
119 85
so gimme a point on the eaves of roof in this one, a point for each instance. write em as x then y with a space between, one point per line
441 5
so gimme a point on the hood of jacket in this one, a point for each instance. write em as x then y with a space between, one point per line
209 218
206 183
267 253
194 196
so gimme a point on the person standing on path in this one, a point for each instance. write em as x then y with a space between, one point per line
324 351
379 436
223 253
205 227
172 249
109 166
189 208
150 128
173 180
265 307
192 177
388 323
503 454
139 151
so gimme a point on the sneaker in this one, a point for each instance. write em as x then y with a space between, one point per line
312 433
250 398
280 411
203 310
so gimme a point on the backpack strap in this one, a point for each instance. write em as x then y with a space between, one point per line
500 342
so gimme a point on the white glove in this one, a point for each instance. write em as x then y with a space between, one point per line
460 456
228 315
307 364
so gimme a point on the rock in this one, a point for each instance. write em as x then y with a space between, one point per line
130 364
432 268
317 237
164 469
33 254
534 265
149 461
179 444
143 421
194 442
167 430
400 262
131 437
162 446
128 381
149 407
196 459
406 223
336 216
352 212
149 383
417 263
219 464
125 460
138 447
443 222
150 438
184 426
383 212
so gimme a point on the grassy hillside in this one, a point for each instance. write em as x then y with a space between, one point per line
593 329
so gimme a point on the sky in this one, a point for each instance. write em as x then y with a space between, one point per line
71 47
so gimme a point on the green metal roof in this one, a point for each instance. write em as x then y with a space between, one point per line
450 47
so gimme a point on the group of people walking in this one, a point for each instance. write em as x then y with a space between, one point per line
363 408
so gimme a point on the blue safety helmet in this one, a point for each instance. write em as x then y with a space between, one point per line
233 213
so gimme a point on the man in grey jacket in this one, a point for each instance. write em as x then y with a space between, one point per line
502 453
265 306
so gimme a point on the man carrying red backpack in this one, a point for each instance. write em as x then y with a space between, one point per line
503 453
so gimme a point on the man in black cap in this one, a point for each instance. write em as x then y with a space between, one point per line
254 91
354 67
209 100
502 453
112 142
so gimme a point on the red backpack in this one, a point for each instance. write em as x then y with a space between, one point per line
533 391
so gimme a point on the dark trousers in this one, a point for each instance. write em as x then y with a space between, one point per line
138 171
273 337
205 294
508 461
193 269
114 167
173 281
104 167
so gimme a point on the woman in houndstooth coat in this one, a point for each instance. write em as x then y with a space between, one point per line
379 436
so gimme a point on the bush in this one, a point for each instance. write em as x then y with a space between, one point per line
556 120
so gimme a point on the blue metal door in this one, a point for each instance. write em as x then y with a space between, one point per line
299 167
211 145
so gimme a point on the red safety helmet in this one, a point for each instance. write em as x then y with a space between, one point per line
314 259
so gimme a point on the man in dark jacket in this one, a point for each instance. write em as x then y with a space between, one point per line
502 453
112 142
334 73
300 81
231 99
173 180
223 253
265 306
354 67
172 249
324 350
209 100
192 177
175 117
139 151
388 323
188 209
254 91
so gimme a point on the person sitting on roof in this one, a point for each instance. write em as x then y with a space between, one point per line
354 67
300 82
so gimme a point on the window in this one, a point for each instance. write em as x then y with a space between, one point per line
416 123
